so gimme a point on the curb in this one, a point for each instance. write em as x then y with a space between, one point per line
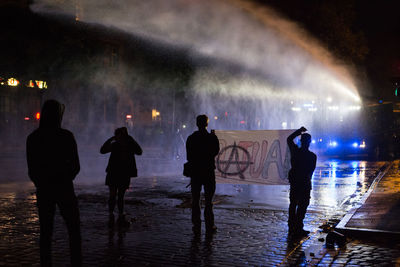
365 232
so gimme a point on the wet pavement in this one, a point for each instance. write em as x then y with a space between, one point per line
251 221
378 213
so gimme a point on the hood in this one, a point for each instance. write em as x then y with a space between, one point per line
51 115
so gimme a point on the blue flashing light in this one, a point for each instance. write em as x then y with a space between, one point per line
333 144
354 164
313 141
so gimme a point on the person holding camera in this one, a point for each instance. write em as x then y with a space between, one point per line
201 149
121 167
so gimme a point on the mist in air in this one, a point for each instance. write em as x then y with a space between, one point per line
244 65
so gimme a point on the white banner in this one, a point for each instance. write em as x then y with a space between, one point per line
253 157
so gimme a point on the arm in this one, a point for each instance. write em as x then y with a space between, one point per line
291 137
106 147
136 148
75 165
31 160
314 163
189 149
216 145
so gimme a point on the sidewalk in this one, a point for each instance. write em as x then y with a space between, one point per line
378 214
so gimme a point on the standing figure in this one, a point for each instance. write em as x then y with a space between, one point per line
53 164
201 149
303 163
121 167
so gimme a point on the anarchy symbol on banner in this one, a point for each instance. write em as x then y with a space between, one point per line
241 165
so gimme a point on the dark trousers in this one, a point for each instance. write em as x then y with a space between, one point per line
114 191
65 199
299 201
209 190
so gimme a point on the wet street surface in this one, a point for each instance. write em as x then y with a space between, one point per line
251 221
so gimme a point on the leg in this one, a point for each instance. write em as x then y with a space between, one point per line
121 194
112 199
46 207
196 211
301 210
69 210
292 211
209 190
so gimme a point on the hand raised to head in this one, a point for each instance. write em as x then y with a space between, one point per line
303 129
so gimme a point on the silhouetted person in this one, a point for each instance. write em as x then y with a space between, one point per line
201 149
121 167
53 163
303 163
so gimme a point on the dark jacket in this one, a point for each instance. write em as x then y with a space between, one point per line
303 163
122 159
201 149
51 151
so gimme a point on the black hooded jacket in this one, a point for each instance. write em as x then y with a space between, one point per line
122 159
51 151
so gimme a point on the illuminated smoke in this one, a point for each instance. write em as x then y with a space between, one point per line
242 51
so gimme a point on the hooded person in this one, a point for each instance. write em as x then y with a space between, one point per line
53 164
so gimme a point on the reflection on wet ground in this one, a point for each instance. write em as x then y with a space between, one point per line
334 182
251 222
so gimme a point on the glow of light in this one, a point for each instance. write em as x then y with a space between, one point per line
312 109
284 125
354 164
296 109
184 126
226 114
354 108
39 84
333 107
333 144
291 102
37 116
320 140
154 114
129 116
31 84
355 144
334 166
362 145
308 105
242 122
12 82
313 141
215 117
329 99
26 118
